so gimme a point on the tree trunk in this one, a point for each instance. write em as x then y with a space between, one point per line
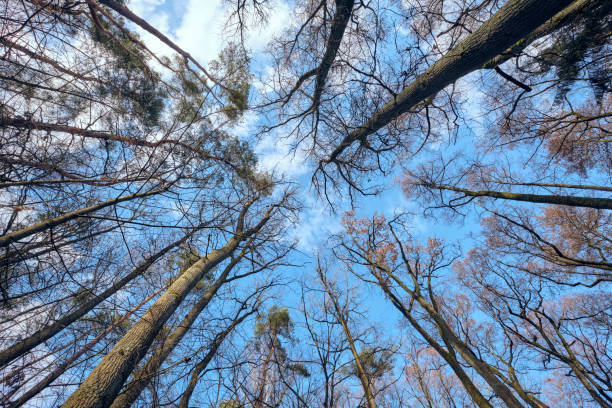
106 379
572 201
511 23
201 366
452 341
21 123
343 13
8 239
363 378
480 366
559 20
144 375
259 401
466 381
59 370
128 14
25 345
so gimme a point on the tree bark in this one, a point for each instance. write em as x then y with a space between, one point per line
259 401
27 344
363 378
144 375
480 366
59 370
343 13
105 381
8 239
511 23
572 201
449 337
201 366
559 20
128 14
21 123
466 381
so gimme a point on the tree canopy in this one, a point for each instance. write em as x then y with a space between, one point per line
275 203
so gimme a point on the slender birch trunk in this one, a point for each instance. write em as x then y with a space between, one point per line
259 401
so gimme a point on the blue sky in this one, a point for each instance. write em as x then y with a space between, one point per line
198 26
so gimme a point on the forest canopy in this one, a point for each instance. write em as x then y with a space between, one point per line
288 203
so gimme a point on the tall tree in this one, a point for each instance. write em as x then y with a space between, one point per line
359 360
105 381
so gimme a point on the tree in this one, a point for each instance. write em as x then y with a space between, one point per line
360 359
107 168
143 252
144 374
375 245
104 382
202 364
86 304
351 148
550 329
268 330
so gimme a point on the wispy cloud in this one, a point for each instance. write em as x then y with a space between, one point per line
277 155
316 224
201 27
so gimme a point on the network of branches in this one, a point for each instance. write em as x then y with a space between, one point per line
150 258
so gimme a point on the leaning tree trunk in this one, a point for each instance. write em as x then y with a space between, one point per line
561 19
480 366
202 364
65 365
8 239
105 381
572 201
363 378
27 344
144 375
514 21
450 358
451 339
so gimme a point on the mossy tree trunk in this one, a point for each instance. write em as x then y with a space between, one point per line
144 375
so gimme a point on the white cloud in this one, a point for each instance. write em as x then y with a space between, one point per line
315 225
278 20
151 12
145 7
243 128
277 155
201 30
